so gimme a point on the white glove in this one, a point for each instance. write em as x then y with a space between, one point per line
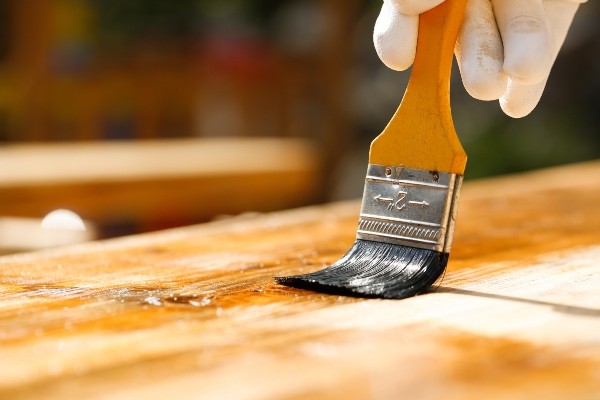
505 48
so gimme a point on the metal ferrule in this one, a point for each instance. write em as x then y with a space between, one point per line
409 207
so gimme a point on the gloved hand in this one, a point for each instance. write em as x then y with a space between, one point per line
505 48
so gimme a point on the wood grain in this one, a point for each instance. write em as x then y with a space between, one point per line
194 312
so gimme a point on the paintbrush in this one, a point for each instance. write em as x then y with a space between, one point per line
413 181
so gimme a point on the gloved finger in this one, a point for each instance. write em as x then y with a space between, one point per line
520 99
527 47
479 52
415 7
395 37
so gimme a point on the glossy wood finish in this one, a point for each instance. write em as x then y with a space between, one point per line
194 312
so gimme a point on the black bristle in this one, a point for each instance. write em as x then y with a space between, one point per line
376 269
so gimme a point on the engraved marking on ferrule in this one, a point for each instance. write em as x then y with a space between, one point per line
388 200
422 204
399 203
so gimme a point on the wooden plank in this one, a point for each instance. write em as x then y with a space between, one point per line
194 312
194 178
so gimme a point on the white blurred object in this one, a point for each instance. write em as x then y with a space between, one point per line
63 220
58 228
505 48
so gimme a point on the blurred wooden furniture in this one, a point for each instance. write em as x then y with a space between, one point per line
160 183
194 312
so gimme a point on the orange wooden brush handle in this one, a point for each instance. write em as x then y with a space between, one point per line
421 133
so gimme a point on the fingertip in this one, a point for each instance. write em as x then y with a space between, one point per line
482 86
395 37
520 100
512 110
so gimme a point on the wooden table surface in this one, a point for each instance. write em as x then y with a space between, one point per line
194 312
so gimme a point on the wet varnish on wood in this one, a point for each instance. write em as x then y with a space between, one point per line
194 312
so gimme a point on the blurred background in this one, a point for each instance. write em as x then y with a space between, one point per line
140 115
